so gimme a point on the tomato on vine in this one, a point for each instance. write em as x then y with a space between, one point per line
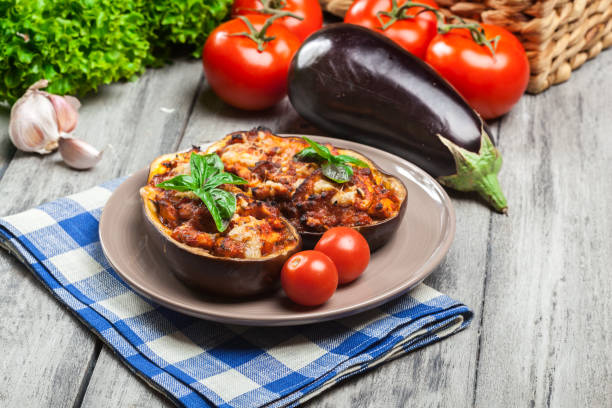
410 24
309 13
246 61
485 63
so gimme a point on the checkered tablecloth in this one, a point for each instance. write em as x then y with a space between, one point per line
200 363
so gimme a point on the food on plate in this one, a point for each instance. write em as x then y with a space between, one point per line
213 235
308 12
309 278
354 83
409 25
246 61
228 218
348 250
491 79
288 173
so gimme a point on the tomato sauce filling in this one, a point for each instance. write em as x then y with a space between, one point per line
310 201
256 229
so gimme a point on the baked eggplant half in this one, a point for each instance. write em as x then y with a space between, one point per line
281 175
243 259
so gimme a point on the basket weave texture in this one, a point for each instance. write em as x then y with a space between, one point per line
558 35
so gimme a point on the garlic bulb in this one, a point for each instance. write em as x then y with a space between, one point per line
39 118
78 154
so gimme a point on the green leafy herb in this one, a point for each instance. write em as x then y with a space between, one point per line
206 175
333 167
79 45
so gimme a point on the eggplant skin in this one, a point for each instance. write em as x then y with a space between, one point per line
236 278
354 83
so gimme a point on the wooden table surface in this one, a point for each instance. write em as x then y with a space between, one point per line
538 280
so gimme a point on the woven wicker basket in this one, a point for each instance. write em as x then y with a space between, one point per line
558 35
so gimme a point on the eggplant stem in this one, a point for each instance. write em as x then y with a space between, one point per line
477 171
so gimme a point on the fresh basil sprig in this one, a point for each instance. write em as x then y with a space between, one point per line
206 175
333 167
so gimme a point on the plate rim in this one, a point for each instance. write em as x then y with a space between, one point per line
313 315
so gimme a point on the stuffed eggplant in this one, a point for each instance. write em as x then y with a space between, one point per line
354 83
243 259
279 174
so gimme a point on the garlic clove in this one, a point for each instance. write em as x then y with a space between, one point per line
33 124
41 83
78 154
66 112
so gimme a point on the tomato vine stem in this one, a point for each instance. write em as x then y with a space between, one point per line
273 7
398 13
476 31
259 37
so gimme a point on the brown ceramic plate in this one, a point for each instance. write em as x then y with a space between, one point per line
419 245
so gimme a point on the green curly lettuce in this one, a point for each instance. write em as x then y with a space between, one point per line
79 45
183 22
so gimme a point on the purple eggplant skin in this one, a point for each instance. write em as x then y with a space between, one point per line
354 83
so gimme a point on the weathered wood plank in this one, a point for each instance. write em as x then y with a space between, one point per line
112 384
212 119
7 150
547 328
45 351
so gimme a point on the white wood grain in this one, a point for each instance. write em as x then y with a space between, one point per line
546 310
547 328
112 384
7 150
45 350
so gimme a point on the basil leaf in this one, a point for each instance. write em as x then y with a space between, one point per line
309 155
338 172
320 149
182 182
226 202
345 158
209 201
223 178
198 165
214 165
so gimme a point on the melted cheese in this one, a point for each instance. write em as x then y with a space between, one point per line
247 233
321 186
345 198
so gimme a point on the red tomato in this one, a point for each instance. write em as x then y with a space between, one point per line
349 251
242 75
309 278
492 84
413 33
309 10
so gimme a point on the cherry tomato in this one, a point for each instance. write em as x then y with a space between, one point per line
309 10
243 73
309 278
492 84
349 251
412 31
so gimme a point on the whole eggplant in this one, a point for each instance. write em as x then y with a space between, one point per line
354 83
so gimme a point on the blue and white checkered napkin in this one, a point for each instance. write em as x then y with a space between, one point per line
200 363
